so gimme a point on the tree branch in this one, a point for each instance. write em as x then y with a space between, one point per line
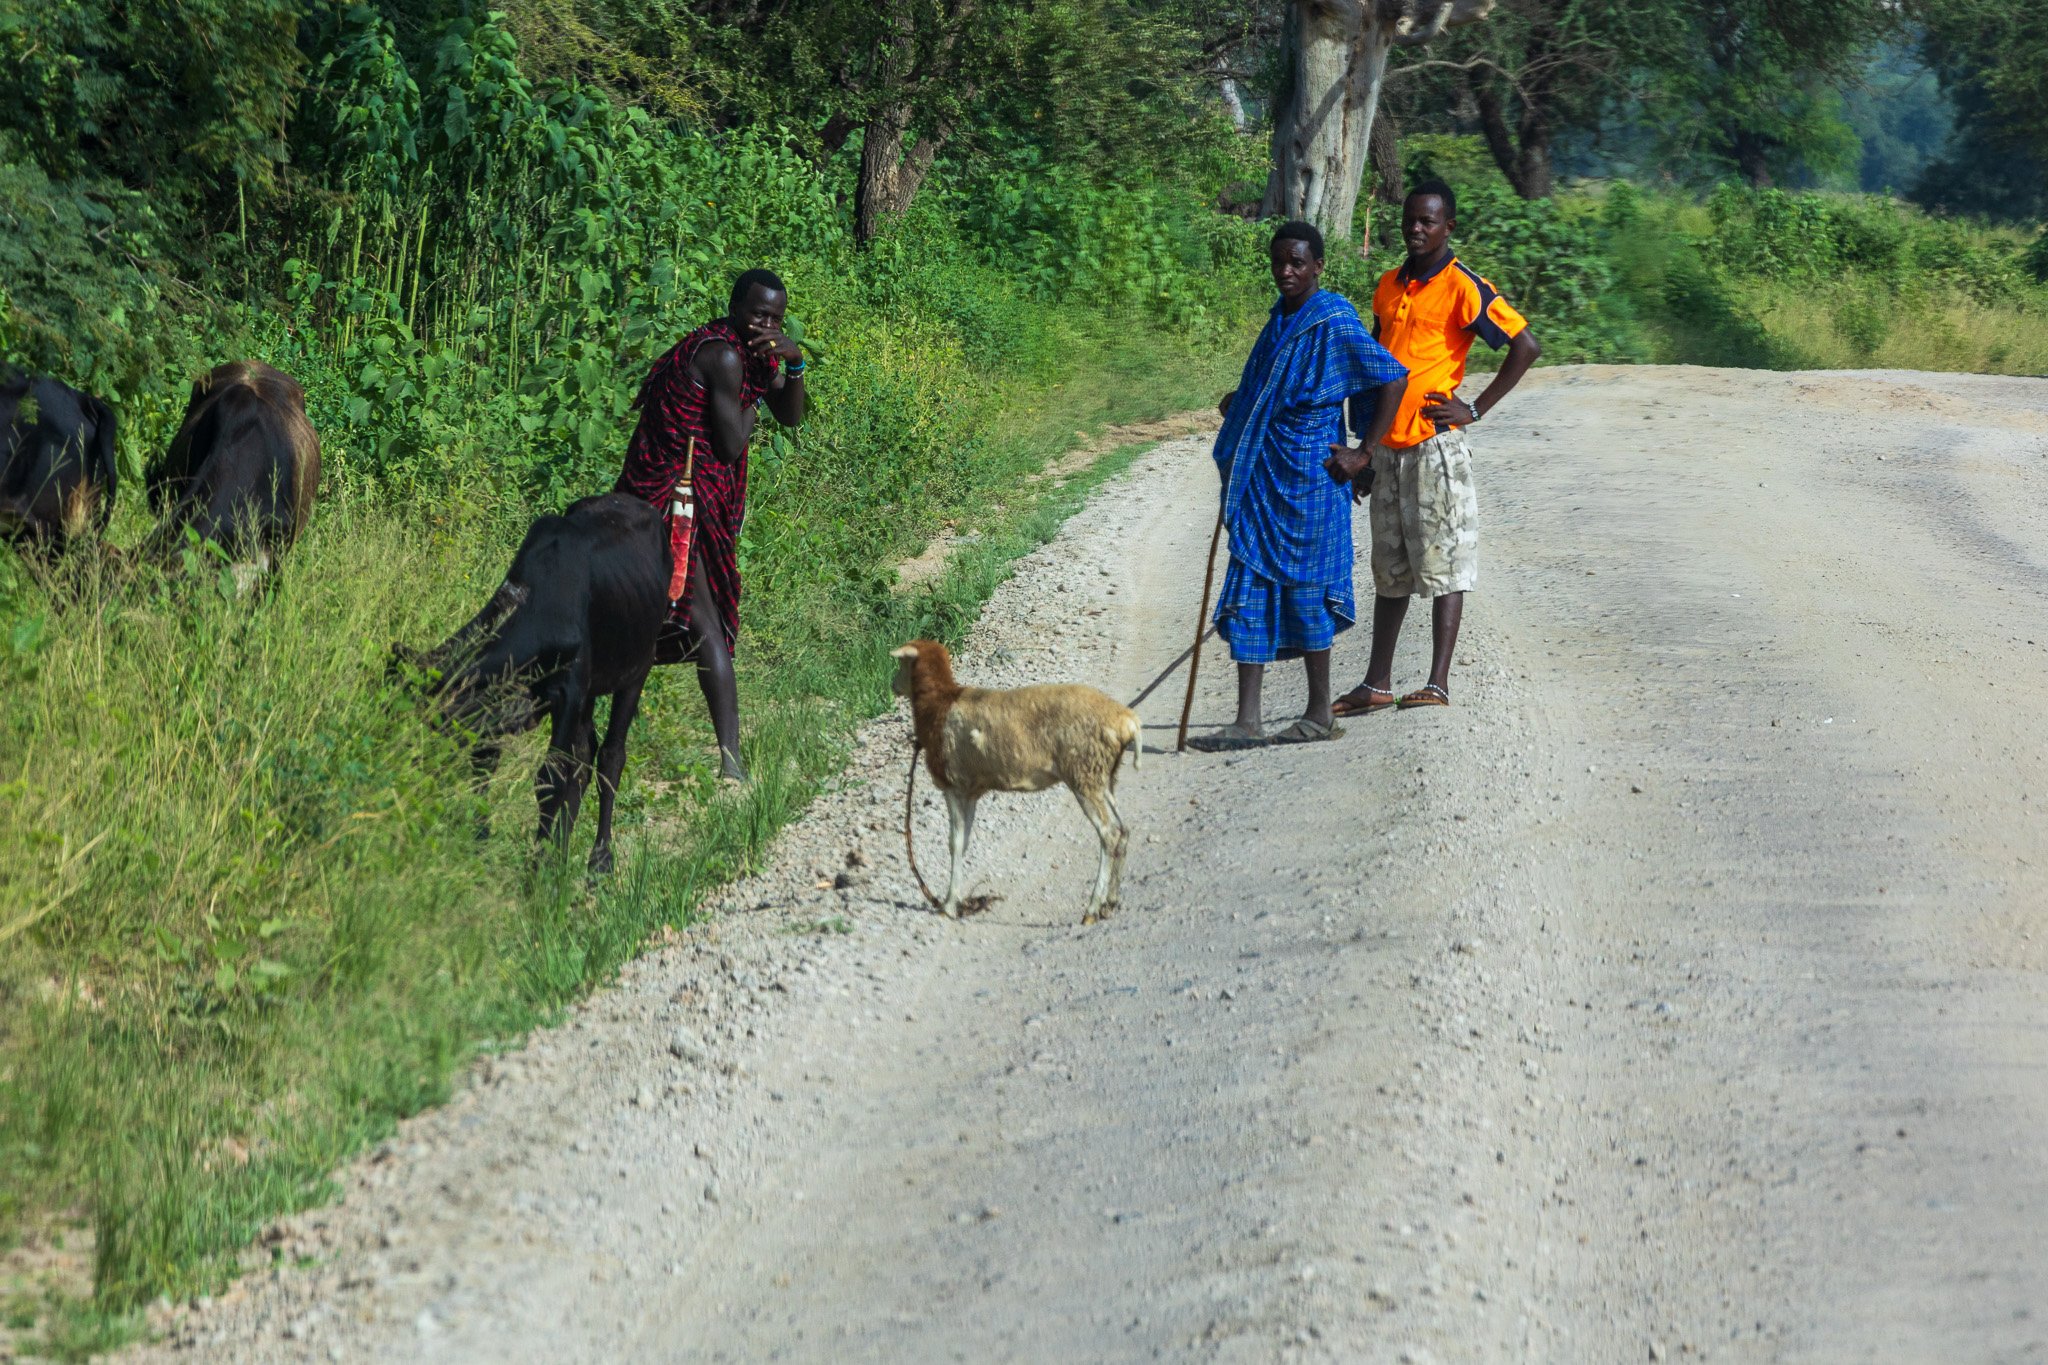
1449 14
1475 64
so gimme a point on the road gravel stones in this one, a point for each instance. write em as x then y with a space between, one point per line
685 1043
1837 916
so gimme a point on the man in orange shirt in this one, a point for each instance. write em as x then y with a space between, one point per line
1425 515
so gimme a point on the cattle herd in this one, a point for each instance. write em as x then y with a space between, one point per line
242 470
575 619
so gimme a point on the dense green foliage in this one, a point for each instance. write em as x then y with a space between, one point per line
1992 58
1939 98
187 97
1690 90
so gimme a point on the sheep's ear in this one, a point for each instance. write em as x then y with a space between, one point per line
904 652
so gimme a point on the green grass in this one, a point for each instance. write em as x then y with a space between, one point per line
1860 324
248 924
1825 281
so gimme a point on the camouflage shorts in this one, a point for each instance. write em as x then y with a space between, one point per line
1425 518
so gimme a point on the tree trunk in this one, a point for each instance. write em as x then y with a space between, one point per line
1493 126
890 175
1538 178
1752 156
1383 148
1523 155
891 172
1337 61
1324 123
1232 101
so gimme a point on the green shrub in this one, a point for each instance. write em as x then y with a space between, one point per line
1776 235
1144 243
1863 319
1777 280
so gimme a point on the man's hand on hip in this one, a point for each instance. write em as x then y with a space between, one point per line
1447 411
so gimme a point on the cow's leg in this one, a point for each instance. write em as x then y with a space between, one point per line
714 672
566 767
611 763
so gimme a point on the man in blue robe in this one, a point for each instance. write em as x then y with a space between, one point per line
1288 589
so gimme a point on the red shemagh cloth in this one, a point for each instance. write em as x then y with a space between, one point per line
672 411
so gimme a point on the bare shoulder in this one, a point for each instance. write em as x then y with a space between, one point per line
717 365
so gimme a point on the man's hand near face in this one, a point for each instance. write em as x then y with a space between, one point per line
765 338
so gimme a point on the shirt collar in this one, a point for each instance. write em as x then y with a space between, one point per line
1432 273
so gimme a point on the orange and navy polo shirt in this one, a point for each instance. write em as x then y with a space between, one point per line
1429 323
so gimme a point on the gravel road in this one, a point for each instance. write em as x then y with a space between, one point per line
1678 994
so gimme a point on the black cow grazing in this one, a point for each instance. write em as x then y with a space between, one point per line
56 461
574 620
244 466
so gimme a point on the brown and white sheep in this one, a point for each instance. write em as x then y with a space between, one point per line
978 740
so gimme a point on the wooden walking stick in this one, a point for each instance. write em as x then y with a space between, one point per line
1180 744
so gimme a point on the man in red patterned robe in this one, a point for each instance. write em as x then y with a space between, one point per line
707 391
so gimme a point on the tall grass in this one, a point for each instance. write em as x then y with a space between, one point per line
1822 281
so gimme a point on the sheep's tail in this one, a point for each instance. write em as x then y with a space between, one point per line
1134 739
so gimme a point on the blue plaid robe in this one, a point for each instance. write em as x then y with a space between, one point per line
1288 589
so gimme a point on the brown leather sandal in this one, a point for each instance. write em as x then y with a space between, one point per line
1429 694
1363 700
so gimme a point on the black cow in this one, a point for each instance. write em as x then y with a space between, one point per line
244 466
57 471
574 620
